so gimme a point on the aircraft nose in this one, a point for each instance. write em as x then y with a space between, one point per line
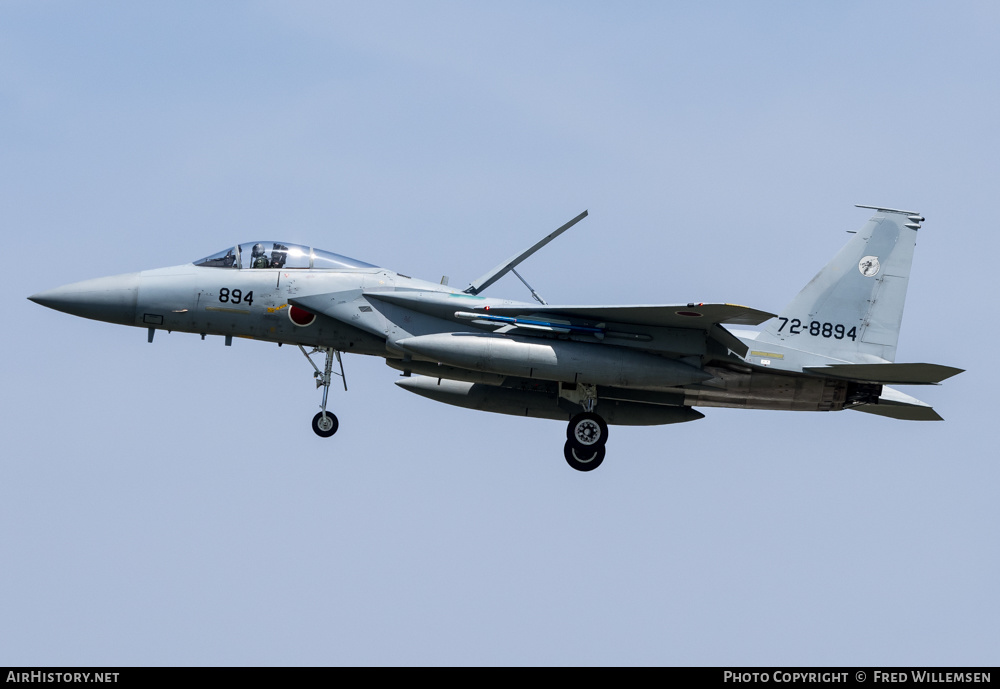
111 299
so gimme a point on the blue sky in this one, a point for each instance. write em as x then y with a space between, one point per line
168 503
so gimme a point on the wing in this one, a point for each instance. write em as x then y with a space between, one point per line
636 323
699 316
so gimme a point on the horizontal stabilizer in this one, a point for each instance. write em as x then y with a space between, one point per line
906 412
890 374
898 405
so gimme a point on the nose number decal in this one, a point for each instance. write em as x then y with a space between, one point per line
235 296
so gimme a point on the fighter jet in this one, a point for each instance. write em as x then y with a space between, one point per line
832 348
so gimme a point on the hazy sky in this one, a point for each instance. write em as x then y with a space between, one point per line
169 504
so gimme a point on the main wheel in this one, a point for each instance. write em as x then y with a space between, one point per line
325 426
583 460
586 431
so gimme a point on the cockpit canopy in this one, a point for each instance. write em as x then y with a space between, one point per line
279 255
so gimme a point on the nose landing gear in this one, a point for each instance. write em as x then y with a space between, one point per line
325 423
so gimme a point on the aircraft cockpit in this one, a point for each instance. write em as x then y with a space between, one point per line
259 255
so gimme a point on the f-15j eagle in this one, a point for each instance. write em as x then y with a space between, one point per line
833 347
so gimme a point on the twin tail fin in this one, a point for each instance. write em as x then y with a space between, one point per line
853 308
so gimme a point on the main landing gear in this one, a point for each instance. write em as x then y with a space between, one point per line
583 460
586 436
325 423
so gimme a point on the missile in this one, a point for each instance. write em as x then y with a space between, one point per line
541 404
555 360
529 323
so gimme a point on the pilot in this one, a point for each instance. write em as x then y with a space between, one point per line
258 257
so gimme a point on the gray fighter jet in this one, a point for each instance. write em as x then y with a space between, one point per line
833 347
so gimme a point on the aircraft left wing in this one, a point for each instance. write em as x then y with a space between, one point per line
708 318
593 320
697 316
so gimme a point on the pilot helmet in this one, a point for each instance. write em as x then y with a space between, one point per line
258 250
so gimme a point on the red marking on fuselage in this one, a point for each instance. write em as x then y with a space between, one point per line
300 317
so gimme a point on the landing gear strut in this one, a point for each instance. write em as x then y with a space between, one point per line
325 423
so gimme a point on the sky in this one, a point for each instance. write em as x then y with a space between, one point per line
168 504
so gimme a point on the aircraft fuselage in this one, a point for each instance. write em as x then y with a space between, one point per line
832 348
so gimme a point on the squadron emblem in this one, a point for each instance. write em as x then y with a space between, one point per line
869 266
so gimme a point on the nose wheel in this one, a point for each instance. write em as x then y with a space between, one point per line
325 423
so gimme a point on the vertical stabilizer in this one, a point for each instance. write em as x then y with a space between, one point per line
853 308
